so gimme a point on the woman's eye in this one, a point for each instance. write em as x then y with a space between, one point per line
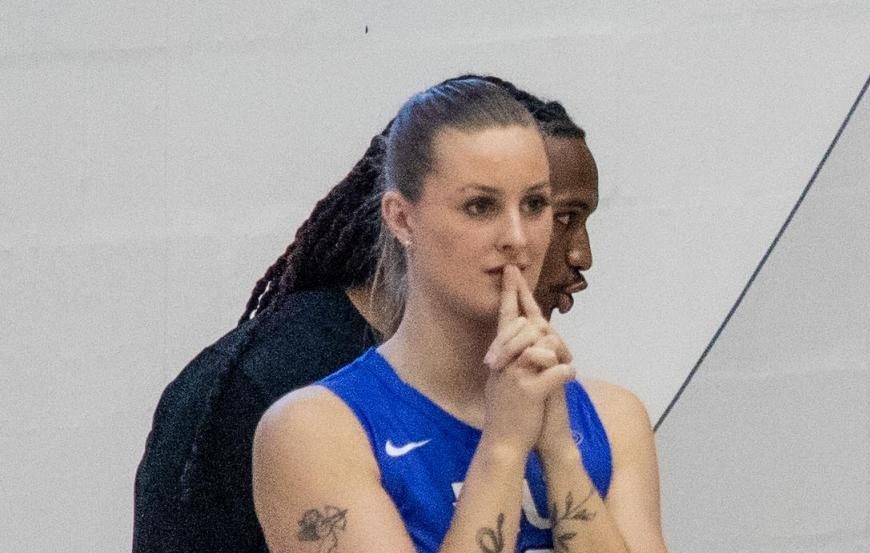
537 204
480 206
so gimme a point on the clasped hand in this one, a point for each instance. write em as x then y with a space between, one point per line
528 367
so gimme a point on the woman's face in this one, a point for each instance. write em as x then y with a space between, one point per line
574 178
485 205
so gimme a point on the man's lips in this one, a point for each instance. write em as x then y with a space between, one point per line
577 285
565 300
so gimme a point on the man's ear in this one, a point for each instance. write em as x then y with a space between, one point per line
397 213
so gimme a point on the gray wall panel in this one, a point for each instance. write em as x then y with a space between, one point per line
768 448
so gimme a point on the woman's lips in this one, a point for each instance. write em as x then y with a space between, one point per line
497 273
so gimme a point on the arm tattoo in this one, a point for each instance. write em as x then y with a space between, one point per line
489 540
323 527
561 538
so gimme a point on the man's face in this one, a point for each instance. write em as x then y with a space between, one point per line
574 180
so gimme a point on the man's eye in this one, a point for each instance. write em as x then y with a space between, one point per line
480 206
565 218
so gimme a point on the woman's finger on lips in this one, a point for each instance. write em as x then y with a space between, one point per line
527 304
509 307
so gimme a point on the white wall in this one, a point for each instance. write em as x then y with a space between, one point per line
156 157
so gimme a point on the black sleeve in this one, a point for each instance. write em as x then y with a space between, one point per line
157 487
243 373
218 513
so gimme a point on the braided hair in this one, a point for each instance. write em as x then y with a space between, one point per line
337 246
334 246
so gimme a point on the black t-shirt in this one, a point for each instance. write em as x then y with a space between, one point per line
221 396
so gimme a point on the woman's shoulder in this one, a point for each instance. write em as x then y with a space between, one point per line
623 414
308 407
312 424
609 397
309 401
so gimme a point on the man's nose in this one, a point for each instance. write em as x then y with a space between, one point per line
579 251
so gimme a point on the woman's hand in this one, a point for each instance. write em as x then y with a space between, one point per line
527 364
555 438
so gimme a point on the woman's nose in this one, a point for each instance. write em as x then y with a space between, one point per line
513 234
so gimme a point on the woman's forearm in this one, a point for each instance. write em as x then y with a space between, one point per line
579 517
487 515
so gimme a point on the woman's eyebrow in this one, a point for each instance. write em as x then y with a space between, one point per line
496 190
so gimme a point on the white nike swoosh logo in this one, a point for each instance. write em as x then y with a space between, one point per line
394 451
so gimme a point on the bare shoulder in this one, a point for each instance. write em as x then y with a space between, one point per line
310 402
316 482
310 425
623 414
633 498
612 400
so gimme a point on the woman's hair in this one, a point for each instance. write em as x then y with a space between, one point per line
551 117
469 104
464 104
337 246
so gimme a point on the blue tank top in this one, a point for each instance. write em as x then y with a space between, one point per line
424 452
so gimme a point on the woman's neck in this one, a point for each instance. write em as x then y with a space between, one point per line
440 353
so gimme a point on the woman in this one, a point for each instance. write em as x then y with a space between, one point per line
478 373
302 322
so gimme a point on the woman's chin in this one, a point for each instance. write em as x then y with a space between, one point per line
484 313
